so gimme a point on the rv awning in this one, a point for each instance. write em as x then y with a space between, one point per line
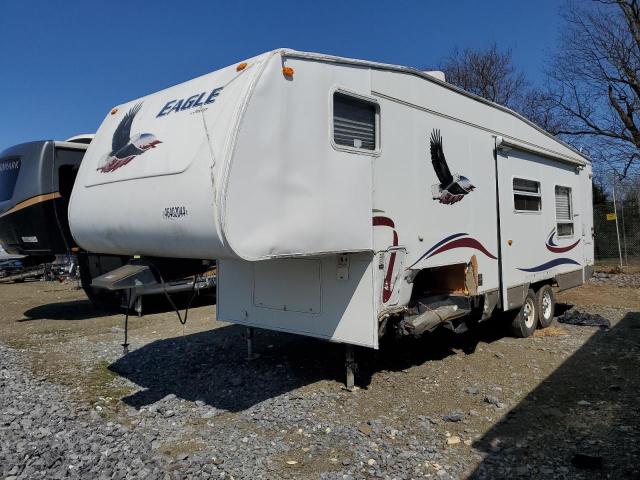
503 144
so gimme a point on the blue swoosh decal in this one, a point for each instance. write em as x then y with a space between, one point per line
550 264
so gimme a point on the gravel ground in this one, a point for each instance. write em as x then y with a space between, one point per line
628 280
186 403
44 435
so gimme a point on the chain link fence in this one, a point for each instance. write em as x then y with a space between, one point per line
616 223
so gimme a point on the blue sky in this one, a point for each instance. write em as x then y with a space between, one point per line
65 64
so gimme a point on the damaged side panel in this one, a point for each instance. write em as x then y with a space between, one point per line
440 295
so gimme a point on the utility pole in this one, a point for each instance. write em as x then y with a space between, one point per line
624 232
615 211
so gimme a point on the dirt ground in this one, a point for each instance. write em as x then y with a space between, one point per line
569 390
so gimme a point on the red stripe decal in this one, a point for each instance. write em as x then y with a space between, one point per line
386 290
386 286
464 242
561 249
383 221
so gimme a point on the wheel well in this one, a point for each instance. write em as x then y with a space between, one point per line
537 285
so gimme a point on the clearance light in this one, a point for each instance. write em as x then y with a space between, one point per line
241 66
287 71
114 111
75 249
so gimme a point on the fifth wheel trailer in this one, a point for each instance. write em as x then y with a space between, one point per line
342 197
36 179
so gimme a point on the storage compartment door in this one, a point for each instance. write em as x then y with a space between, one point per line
294 286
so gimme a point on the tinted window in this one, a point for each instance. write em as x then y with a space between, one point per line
526 195
9 168
354 122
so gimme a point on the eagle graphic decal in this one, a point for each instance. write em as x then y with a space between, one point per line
452 188
125 147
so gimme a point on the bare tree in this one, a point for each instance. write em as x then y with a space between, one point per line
488 73
595 81
539 106
491 74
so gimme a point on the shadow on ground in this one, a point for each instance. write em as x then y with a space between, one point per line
212 366
583 421
71 310
86 310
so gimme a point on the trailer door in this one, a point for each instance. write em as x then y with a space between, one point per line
586 188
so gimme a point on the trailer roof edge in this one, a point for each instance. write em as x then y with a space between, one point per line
582 161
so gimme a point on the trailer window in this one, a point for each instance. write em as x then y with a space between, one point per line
526 195
564 212
354 122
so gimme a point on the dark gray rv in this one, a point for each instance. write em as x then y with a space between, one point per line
36 179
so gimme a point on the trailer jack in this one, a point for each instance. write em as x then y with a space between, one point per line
250 354
125 345
351 367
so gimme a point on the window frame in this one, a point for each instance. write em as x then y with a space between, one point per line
571 216
378 123
515 192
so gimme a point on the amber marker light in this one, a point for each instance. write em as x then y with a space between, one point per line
75 249
241 66
287 71
114 111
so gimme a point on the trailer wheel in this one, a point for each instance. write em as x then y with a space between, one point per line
103 299
524 323
546 304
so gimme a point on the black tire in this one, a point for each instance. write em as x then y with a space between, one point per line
100 298
103 299
525 321
545 305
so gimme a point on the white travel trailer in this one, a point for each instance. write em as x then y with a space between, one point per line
341 197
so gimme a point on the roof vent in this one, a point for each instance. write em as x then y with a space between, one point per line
84 138
436 74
